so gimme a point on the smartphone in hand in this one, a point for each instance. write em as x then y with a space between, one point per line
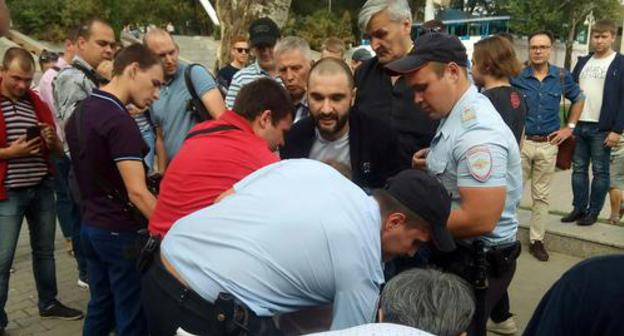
32 132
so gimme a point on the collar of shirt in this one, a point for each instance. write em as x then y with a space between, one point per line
529 73
109 97
234 119
450 121
81 61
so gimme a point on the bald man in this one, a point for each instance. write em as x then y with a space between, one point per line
169 114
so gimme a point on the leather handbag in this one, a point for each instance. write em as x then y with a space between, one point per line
566 148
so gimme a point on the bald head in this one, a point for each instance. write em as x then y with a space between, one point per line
332 67
162 44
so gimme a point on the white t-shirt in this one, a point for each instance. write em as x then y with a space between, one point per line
376 329
592 82
337 150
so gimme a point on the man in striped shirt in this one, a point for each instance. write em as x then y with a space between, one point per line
27 137
263 35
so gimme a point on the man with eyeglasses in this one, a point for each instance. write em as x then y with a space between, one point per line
543 84
239 54
263 35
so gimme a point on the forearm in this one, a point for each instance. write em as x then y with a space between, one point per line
161 153
5 154
144 201
463 224
575 111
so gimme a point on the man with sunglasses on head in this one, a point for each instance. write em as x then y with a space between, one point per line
239 54
263 35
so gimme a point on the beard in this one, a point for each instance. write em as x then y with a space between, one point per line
330 133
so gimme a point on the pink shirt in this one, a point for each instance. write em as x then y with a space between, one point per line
45 91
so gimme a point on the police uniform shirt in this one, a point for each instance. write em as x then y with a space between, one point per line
294 234
474 148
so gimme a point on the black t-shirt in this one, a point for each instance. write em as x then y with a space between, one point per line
587 300
510 104
225 75
393 104
111 135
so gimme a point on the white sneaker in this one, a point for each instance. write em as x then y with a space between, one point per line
82 284
507 327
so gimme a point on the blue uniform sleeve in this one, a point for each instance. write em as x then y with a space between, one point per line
572 89
481 162
202 80
355 304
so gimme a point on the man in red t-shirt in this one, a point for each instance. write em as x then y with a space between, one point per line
219 153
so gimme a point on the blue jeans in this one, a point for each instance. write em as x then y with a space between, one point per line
68 211
36 204
114 283
150 139
590 147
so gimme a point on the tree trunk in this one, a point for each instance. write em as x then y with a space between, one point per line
569 44
236 15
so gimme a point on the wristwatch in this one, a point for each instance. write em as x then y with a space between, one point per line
571 125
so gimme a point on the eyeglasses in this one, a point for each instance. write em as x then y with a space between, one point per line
242 50
539 48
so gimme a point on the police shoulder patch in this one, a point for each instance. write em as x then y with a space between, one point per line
479 161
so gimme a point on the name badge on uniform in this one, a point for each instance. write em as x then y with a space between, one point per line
479 161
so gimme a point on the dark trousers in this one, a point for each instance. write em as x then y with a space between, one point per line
115 283
68 212
169 305
590 147
501 267
501 311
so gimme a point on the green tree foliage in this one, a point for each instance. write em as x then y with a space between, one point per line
51 19
321 24
564 18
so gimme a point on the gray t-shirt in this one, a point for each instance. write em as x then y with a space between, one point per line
337 150
169 112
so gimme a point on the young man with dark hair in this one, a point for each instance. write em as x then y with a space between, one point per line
107 153
27 141
292 235
543 86
333 132
219 153
600 76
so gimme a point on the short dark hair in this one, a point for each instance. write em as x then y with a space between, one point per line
261 95
548 33
86 29
135 53
434 26
73 33
22 56
604 26
332 65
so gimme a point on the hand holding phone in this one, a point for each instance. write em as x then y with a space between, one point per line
32 132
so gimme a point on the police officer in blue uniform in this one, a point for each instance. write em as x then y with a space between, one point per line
477 159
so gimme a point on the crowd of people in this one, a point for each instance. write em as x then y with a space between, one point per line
375 195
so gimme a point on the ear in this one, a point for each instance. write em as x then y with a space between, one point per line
394 221
264 120
407 26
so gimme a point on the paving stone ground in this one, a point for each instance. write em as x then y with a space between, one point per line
22 304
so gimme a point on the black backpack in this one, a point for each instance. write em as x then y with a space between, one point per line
195 106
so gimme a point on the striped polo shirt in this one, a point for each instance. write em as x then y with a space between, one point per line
244 77
25 171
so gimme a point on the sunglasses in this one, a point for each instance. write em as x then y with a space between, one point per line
242 50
